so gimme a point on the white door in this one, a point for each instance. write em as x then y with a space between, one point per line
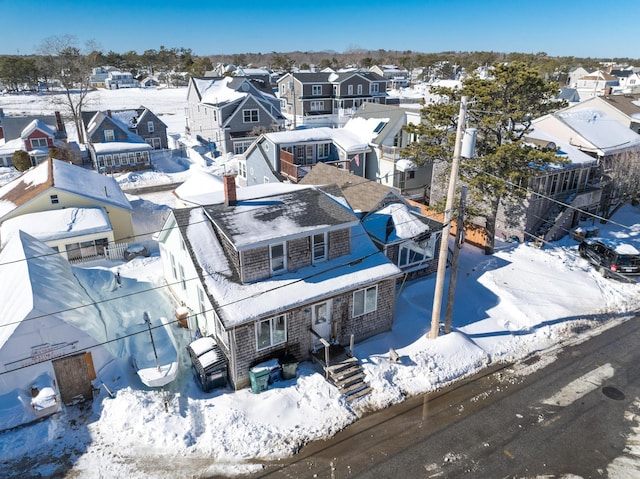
321 320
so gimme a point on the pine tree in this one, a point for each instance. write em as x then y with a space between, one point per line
501 108
21 160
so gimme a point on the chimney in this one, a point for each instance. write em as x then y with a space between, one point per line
109 113
229 190
59 122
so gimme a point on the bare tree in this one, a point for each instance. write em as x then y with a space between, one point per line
621 180
63 61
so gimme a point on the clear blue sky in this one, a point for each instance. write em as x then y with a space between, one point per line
585 28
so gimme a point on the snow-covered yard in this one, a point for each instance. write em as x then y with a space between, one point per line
509 305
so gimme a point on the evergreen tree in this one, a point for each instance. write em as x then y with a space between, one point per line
21 160
501 109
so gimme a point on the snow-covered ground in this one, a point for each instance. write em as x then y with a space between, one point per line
509 305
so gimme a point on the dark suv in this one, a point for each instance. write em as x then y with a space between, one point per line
612 258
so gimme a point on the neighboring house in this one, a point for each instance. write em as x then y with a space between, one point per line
407 237
117 79
228 113
273 275
396 77
57 185
599 135
98 77
326 98
596 83
48 335
628 79
624 108
78 234
383 125
34 134
141 122
114 146
289 155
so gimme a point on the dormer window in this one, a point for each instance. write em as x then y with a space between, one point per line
319 247
39 143
276 257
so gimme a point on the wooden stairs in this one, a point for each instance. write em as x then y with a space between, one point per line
344 372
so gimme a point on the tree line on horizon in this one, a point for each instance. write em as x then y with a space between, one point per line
18 71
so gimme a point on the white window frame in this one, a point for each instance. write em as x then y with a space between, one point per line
174 269
323 150
279 261
374 88
239 147
250 115
39 143
365 301
316 90
427 252
317 105
275 328
360 89
183 279
242 169
151 127
109 135
349 89
317 244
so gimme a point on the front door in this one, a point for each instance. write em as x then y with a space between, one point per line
321 320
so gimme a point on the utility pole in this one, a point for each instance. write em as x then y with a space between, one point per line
448 215
453 275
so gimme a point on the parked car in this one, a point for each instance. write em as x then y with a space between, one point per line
612 258
135 250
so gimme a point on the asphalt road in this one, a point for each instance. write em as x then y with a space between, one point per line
572 417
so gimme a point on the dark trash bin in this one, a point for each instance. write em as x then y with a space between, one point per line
259 379
289 367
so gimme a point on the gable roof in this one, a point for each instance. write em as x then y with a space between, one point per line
38 125
589 130
37 283
395 223
63 176
345 139
238 304
13 126
362 194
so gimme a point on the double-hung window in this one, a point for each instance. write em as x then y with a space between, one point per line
365 301
276 257
319 247
323 150
150 127
271 332
316 90
109 135
250 116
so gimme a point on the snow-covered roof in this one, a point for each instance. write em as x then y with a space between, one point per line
349 141
121 146
241 303
395 222
38 125
588 130
260 221
57 224
63 176
565 149
216 91
37 285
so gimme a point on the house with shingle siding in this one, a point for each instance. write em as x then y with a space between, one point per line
276 274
